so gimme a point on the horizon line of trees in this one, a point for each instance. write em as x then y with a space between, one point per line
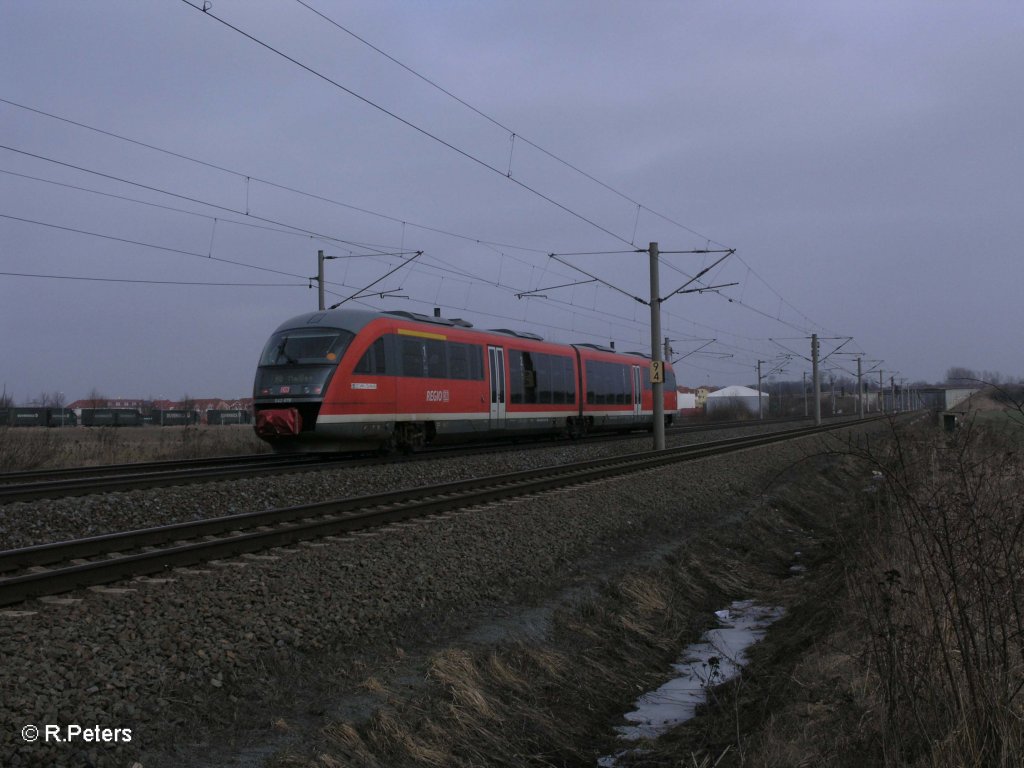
95 399
956 376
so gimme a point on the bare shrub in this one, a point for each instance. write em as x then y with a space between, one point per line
942 596
39 448
730 412
27 448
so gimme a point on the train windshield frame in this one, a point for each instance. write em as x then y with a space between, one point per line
306 346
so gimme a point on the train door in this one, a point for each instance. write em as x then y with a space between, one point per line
496 360
638 392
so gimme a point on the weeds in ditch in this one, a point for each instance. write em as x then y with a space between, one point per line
940 588
523 704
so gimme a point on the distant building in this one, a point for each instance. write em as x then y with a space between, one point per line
688 401
737 396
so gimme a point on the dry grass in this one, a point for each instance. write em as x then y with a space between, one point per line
941 596
555 702
25 448
523 704
906 648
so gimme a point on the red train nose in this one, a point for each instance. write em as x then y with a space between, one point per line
278 421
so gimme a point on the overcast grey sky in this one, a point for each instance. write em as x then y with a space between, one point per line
863 158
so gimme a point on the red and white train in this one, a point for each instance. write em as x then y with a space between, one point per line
344 380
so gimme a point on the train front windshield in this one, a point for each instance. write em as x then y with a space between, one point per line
299 362
306 346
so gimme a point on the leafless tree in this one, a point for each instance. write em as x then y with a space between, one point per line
95 399
960 376
188 404
53 399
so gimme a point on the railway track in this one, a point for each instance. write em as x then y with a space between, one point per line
130 477
80 481
60 567
103 470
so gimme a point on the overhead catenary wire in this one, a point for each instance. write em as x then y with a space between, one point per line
299 231
537 250
512 133
144 244
274 184
137 201
181 196
155 282
248 177
242 264
379 279
432 136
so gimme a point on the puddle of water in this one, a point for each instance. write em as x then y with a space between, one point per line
717 658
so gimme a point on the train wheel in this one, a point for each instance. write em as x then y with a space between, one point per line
409 437
577 428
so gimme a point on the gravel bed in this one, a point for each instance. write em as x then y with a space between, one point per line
49 520
176 661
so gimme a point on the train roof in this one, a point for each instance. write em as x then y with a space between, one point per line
519 334
355 320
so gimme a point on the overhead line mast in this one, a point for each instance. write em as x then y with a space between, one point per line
657 361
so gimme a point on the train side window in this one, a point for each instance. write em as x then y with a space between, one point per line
558 380
624 391
607 383
436 359
531 362
542 369
599 383
522 369
373 360
458 361
569 377
413 363
476 362
515 376
465 361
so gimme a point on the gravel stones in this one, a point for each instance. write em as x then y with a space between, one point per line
40 522
146 659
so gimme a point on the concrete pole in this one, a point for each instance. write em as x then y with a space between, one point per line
881 392
657 387
805 394
892 393
320 279
817 380
760 413
860 392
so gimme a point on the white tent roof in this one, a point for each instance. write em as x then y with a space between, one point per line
736 391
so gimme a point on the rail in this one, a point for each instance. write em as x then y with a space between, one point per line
154 550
